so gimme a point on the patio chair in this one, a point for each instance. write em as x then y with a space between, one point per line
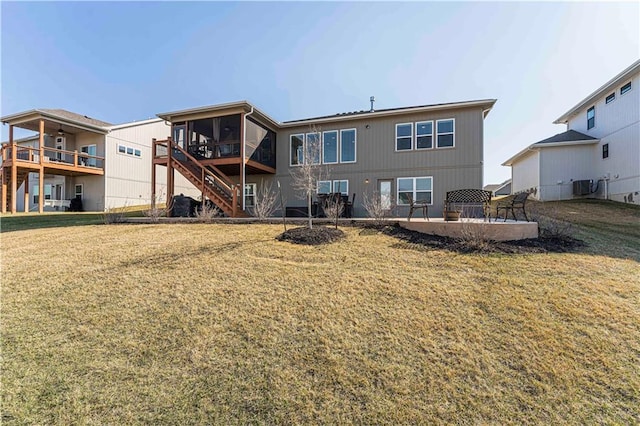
516 202
415 205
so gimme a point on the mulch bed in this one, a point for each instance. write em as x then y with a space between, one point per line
315 236
543 244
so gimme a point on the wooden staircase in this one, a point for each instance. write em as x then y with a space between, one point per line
6 177
213 184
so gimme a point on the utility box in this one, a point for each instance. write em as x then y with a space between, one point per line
582 187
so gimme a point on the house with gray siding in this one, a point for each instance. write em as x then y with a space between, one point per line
597 156
422 151
227 152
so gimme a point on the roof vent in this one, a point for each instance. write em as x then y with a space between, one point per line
372 100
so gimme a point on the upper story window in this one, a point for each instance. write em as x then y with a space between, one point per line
330 147
591 117
424 135
445 133
348 146
404 136
297 149
122 149
610 98
624 89
313 148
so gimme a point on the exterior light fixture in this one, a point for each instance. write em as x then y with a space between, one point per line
60 132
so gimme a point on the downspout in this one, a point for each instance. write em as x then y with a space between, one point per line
244 153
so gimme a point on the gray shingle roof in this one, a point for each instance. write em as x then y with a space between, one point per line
568 136
62 113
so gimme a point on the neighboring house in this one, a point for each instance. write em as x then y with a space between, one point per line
418 151
74 156
498 189
598 155
422 151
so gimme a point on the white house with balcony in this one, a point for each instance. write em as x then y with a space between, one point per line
599 153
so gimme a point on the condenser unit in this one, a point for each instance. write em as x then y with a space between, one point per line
582 187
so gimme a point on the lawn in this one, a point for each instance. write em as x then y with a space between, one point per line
222 324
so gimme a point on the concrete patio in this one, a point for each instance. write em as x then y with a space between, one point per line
497 231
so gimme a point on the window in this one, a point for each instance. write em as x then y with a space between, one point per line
324 186
79 191
445 129
137 153
348 146
313 147
605 151
404 136
624 89
341 186
250 194
419 188
47 191
610 98
330 147
591 117
424 135
297 149
122 149
89 159
327 186
36 192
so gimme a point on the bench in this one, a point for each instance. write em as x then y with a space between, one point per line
511 204
461 199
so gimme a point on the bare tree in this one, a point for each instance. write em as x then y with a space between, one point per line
309 171
378 207
333 209
265 202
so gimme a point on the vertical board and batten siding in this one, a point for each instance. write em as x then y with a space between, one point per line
560 166
617 124
127 177
525 174
376 157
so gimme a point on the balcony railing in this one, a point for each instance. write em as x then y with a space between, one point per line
52 157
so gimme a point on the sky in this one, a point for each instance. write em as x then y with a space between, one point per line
126 61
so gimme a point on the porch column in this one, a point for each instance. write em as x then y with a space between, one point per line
5 185
242 159
26 194
153 174
14 170
41 171
170 188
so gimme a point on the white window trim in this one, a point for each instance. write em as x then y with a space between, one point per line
435 142
323 181
355 146
320 141
630 88
127 147
75 193
255 192
413 195
333 187
337 132
396 138
291 146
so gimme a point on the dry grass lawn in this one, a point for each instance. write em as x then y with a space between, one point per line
221 324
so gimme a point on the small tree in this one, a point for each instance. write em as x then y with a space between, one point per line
309 171
265 202
377 207
333 209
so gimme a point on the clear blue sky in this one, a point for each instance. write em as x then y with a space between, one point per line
125 61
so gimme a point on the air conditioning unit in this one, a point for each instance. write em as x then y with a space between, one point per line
582 187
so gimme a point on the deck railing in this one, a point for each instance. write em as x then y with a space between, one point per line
52 156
